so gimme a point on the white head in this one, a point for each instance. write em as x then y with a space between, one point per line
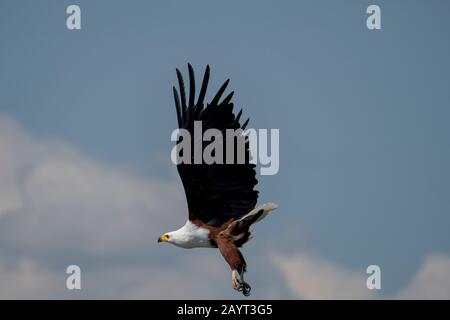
167 237
188 236
179 238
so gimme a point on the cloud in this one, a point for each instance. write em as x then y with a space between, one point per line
432 281
28 281
196 282
311 278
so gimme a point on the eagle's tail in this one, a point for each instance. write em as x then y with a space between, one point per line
257 214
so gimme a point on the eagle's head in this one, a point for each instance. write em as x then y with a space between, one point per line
179 238
188 236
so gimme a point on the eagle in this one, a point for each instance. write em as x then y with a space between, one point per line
221 198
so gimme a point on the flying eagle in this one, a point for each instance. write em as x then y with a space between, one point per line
221 198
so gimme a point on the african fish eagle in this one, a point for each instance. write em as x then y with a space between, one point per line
221 198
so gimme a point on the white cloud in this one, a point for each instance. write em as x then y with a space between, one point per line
432 281
195 283
311 278
26 280
29 279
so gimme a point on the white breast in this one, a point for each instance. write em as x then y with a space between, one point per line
190 236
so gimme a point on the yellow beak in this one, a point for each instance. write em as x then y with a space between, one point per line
163 238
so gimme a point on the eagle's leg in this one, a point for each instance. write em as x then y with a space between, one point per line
244 286
236 283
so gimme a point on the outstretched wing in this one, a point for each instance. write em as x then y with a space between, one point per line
215 192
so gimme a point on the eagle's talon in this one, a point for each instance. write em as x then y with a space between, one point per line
245 287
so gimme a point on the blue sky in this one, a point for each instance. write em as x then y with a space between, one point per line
363 118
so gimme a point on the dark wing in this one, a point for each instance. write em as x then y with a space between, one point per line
215 192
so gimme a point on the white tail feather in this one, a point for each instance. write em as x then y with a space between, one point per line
267 207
